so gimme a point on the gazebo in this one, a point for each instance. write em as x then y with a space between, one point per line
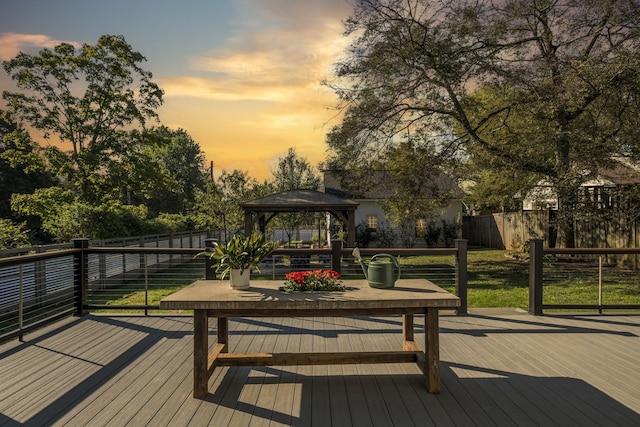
266 208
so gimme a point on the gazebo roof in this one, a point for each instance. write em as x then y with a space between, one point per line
299 200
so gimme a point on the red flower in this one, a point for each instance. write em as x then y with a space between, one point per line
316 280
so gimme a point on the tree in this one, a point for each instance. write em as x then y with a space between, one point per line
87 97
65 216
46 204
294 172
22 167
172 166
13 235
414 194
565 74
218 206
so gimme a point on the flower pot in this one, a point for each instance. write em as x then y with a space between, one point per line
239 281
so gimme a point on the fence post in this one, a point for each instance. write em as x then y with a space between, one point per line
81 275
461 275
535 277
209 273
336 255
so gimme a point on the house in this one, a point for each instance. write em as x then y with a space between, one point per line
604 190
371 214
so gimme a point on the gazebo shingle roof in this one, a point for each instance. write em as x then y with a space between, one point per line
299 200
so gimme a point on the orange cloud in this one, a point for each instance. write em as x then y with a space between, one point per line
250 97
13 43
261 88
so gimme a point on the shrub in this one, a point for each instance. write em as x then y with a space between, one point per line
432 234
450 230
13 235
385 236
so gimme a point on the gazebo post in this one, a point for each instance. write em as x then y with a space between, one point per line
351 230
248 223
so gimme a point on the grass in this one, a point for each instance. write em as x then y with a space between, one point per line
159 284
494 280
577 282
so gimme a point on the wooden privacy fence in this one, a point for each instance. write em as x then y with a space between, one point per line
510 230
505 230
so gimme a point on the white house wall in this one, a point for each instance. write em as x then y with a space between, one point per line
371 207
367 208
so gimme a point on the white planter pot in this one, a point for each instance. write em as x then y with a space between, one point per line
240 281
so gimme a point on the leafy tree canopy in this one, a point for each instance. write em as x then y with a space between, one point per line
22 167
87 97
295 172
13 235
562 76
218 206
165 173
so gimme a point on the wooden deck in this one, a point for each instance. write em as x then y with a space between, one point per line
506 369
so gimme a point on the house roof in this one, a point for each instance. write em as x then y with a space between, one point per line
622 173
333 184
299 200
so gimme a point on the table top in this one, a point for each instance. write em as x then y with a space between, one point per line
266 294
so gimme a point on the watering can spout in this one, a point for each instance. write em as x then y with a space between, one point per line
356 255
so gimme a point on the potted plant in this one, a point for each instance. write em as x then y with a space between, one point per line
238 256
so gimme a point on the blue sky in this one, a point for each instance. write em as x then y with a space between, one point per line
242 77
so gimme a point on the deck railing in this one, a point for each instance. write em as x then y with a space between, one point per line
37 289
597 271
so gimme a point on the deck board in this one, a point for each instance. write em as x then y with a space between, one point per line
496 370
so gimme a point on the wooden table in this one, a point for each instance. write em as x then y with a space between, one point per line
211 298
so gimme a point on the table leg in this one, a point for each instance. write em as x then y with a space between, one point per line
407 329
432 344
223 333
200 353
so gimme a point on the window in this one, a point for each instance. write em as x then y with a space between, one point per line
372 222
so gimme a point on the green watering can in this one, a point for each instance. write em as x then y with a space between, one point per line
380 273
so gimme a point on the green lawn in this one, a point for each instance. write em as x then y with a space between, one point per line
494 280
497 280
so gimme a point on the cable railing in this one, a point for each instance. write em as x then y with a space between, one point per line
592 279
40 288
37 289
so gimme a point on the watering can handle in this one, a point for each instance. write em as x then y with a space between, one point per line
393 259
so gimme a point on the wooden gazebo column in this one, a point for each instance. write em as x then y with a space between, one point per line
348 218
351 228
248 222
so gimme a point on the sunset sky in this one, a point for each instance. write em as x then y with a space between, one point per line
241 76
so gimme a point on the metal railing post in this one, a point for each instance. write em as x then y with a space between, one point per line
21 305
535 277
146 285
81 275
461 275
336 255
